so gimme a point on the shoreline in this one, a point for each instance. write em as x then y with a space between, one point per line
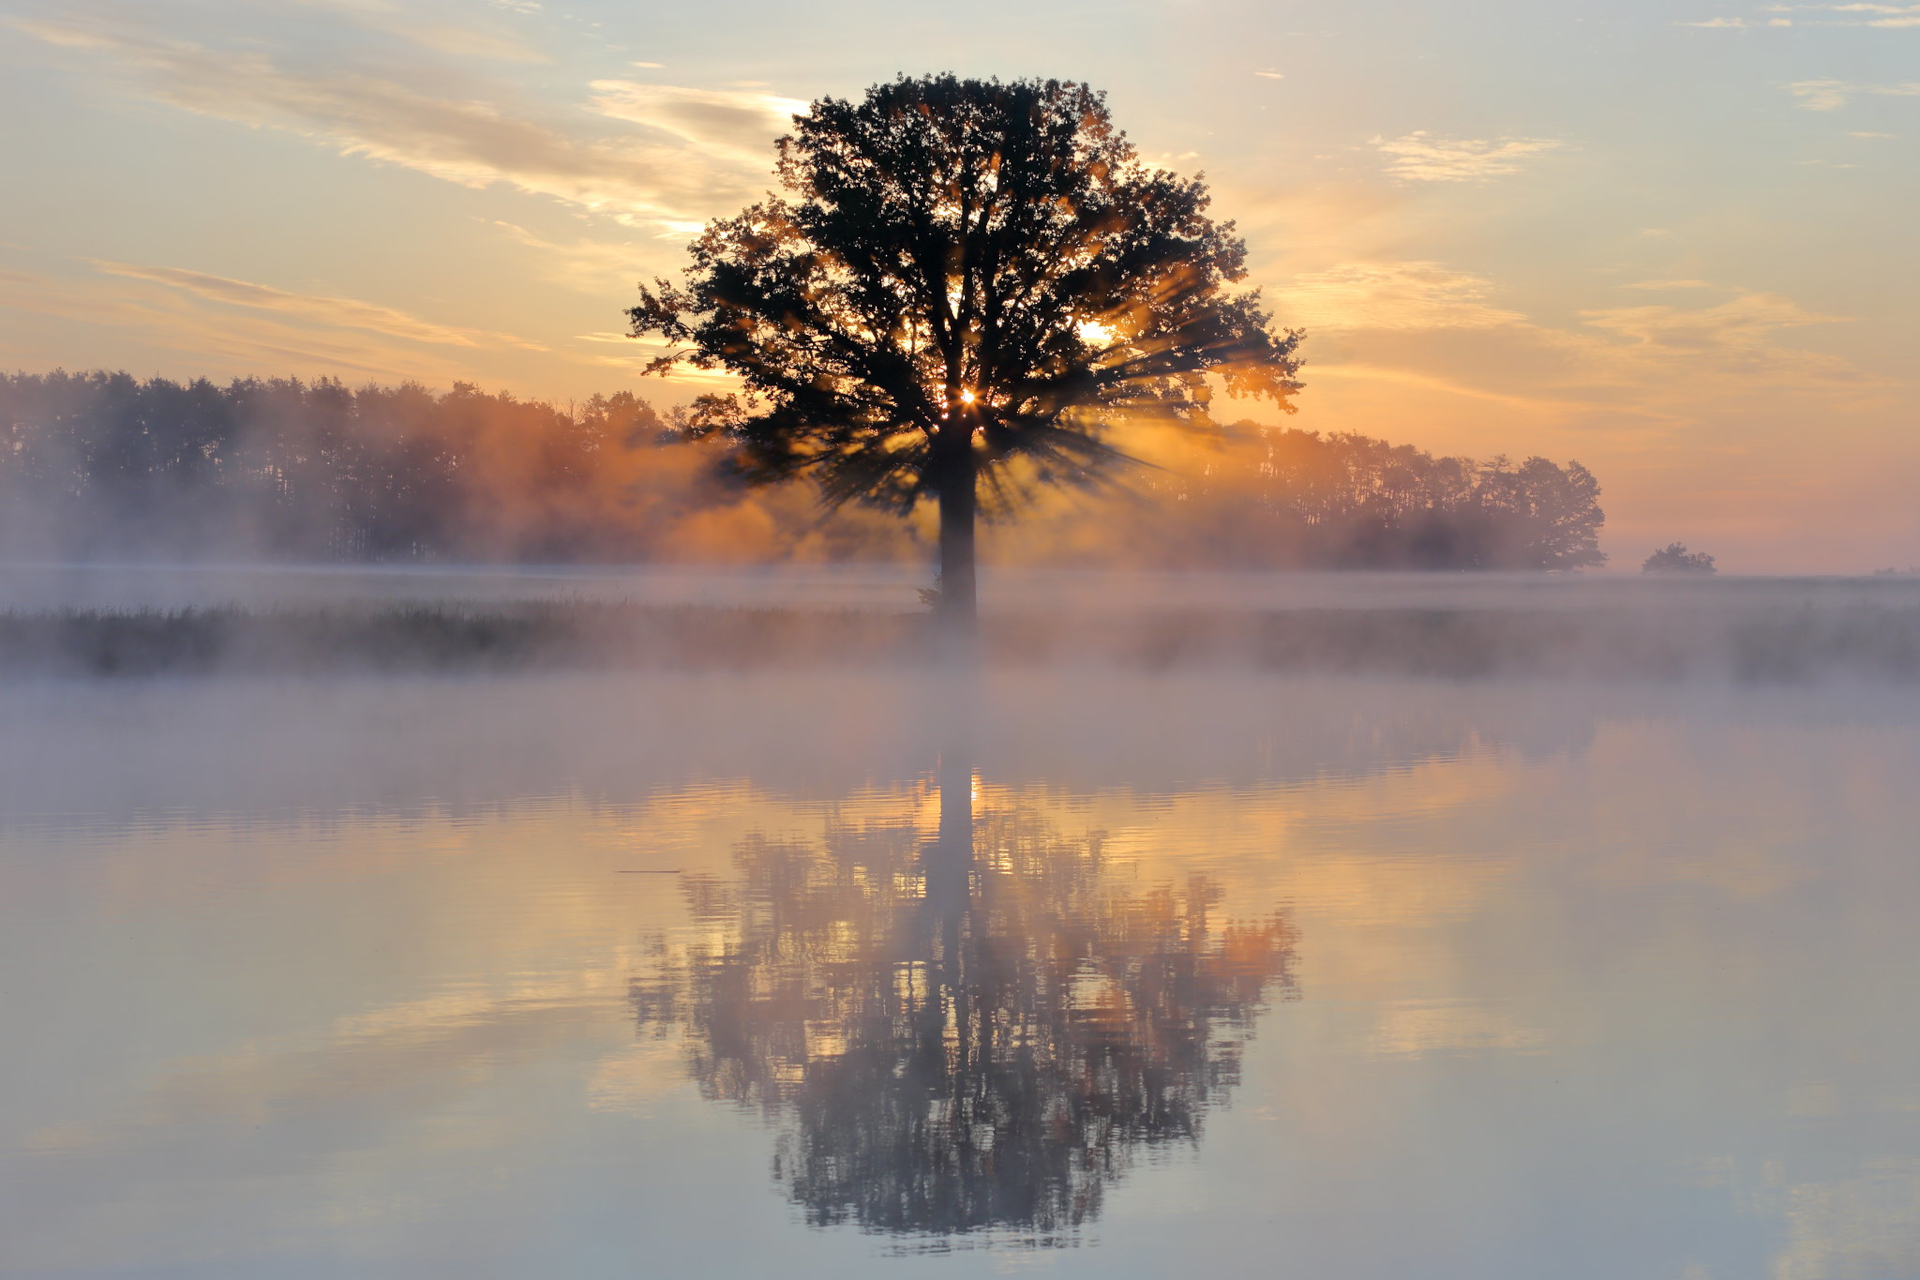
1759 643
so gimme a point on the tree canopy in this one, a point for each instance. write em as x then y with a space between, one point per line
106 466
1675 558
965 275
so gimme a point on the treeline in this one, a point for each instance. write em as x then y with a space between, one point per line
102 466
105 466
1298 499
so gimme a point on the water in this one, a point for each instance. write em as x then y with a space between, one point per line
816 974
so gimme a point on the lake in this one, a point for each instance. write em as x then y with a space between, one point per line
1057 970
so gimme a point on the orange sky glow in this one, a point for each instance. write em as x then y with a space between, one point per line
1670 240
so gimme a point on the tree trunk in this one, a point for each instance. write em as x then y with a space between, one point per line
959 599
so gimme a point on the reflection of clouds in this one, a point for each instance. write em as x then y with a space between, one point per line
451 1047
1860 1228
373 1063
632 1080
1417 1028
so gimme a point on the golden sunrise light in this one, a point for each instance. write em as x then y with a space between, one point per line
889 640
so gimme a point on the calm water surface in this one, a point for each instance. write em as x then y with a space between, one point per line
805 975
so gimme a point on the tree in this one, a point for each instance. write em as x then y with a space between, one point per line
972 281
1675 558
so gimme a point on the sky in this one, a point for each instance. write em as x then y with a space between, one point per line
1675 241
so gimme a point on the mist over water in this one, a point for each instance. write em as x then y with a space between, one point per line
206 619
1085 968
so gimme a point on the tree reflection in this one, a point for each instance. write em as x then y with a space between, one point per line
976 1032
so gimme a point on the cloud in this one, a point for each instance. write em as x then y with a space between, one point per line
1882 15
743 123
346 313
1857 15
217 343
460 34
1423 328
471 140
1831 95
1399 296
585 265
1729 339
638 352
1740 321
1270 74
1421 157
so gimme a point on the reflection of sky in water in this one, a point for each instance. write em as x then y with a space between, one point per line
1599 984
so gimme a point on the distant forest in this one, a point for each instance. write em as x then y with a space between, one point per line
105 466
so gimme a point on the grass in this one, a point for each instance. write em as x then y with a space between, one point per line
1754 645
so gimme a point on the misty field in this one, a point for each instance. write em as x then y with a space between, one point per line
1514 626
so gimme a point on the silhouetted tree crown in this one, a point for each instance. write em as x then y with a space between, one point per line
966 274
1675 558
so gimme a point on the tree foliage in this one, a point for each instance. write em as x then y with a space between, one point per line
1675 558
103 465
1275 498
965 275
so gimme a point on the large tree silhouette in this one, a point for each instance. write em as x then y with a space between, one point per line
968 282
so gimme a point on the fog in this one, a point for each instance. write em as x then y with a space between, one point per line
1490 926
254 620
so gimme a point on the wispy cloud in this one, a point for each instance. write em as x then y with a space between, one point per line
1422 157
1734 338
1652 285
459 33
743 123
1831 95
1397 296
636 353
1820 15
597 267
1868 15
215 341
473 141
346 313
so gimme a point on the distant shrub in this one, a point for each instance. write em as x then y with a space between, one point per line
1675 558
